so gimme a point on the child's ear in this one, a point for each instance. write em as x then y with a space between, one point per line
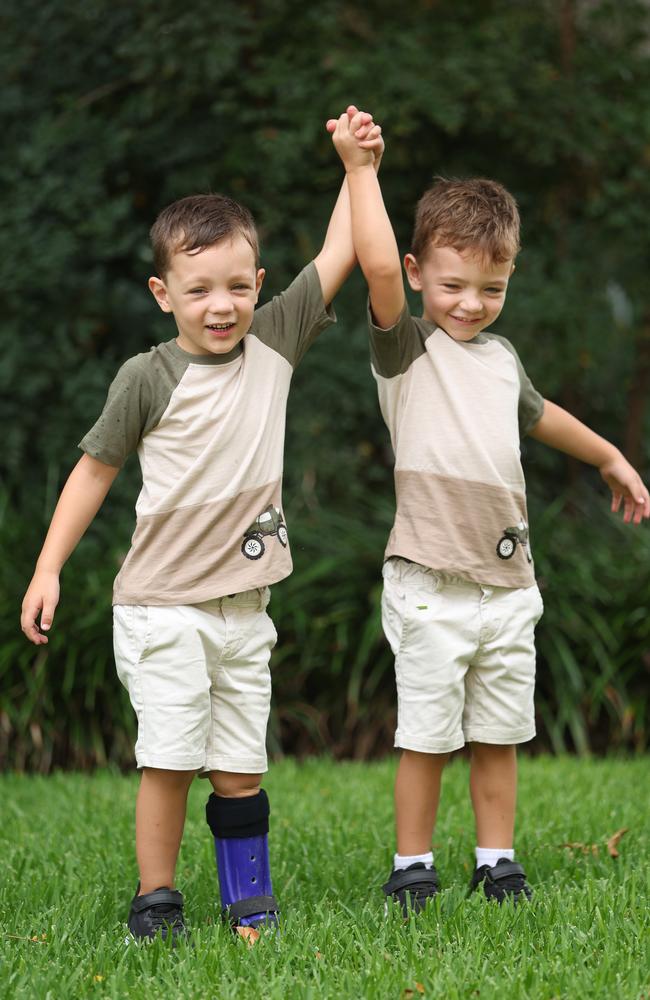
259 278
159 292
413 275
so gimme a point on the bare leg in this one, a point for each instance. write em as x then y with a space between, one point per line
417 793
159 821
493 787
235 786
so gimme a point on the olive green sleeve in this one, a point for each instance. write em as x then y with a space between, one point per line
291 321
531 402
125 416
393 351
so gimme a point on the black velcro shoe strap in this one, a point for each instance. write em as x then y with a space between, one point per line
504 870
160 897
424 877
248 907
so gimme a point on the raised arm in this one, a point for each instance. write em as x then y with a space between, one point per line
565 432
337 257
82 496
372 233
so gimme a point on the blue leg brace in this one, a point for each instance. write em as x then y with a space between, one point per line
240 829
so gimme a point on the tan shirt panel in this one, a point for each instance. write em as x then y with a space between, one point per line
454 411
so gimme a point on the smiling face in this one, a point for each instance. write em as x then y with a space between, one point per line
461 292
212 293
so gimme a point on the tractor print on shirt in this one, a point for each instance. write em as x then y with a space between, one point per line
270 522
507 544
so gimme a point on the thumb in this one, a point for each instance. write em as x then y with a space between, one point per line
47 615
331 124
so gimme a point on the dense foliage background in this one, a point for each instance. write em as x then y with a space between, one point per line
111 110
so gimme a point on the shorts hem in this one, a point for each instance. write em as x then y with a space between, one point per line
237 765
499 739
429 746
169 764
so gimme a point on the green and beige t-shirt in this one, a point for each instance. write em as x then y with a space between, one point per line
209 434
456 412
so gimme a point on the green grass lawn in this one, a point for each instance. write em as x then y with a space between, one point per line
67 874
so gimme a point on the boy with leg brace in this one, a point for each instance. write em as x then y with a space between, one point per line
205 413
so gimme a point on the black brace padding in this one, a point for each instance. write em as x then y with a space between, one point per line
244 817
247 907
504 870
404 878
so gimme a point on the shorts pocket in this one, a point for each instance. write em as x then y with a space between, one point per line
393 605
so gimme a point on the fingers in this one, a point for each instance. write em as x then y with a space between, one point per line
28 623
372 137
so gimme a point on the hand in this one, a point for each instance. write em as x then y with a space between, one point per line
369 137
42 597
357 138
627 488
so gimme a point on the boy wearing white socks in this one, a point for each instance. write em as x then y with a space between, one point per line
460 602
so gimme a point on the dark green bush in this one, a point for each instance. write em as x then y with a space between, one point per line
111 111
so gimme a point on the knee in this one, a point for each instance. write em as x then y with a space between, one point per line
232 785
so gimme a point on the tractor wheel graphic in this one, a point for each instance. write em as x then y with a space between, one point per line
506 547
283 537
252 547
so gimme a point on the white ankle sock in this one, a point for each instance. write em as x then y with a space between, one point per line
401 861
490 855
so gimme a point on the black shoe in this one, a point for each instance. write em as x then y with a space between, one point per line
505 880
411 887
157 912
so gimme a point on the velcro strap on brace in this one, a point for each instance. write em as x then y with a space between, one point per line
248 907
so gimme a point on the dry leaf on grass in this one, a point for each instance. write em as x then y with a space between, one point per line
612 843
576 845
248 934
408 994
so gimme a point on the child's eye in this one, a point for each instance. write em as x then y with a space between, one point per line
197 291
494 291
452 288
241 288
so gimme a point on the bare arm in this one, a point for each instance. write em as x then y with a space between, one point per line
337 258
565 432
372 233
82 496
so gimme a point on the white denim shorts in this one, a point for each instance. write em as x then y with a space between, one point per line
198 678
464 658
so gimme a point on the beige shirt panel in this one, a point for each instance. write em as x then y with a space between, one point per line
453 411
213 440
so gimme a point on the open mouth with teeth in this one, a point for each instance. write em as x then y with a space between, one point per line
220 329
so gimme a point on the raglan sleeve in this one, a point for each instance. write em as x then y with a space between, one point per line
125 416
291 321
531 402
393 350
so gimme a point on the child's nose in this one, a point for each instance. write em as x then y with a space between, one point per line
220 302
471 302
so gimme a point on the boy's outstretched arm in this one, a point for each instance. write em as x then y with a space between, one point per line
82 496
561 430
372 233
337 257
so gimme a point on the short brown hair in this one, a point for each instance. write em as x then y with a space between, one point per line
473 214
200 220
